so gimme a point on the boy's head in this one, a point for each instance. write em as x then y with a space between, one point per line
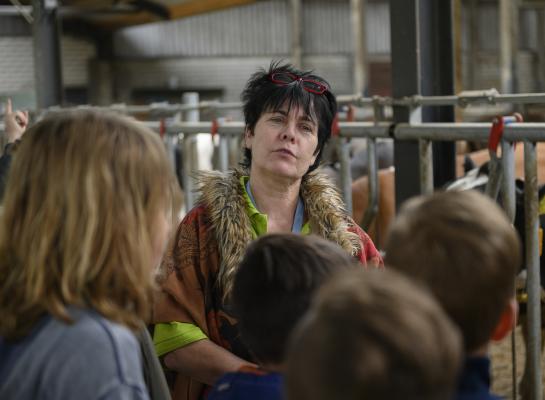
281 85
273 288
461 246
373 335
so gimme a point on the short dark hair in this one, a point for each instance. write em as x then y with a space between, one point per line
373 335
451 241
261 94
274 284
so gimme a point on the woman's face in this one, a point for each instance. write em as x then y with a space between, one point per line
283 143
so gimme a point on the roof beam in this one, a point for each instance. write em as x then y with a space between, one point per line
176 11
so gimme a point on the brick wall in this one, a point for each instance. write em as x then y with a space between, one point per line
17 63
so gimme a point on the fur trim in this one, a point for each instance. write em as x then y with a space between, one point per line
327 213
223 197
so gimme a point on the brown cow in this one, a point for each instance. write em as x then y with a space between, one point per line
386 204
386 212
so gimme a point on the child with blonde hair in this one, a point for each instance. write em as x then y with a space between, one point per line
85 221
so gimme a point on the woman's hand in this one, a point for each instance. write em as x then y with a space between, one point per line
15 122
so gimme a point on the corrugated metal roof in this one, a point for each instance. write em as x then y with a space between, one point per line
259 29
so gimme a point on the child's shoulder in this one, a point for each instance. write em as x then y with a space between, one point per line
248 383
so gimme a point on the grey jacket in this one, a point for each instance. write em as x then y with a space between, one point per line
91 359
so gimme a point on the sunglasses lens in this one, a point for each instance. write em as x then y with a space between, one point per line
283 78
314 86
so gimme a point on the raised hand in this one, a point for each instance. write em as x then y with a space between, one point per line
15 122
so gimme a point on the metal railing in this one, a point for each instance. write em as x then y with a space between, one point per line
425 133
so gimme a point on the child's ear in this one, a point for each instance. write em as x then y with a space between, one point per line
507 321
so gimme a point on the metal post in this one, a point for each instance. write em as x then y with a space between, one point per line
473 42
188 148
406 79
224 153
515 7
509 205
531 206
346 174
426 166
357 19
296 33
437 60
508 179
372 170
541 48
495 177
506 48
235 146
372 180
47 54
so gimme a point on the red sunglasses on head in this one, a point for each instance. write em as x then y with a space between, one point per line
310 85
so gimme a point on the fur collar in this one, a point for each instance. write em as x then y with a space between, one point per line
223 197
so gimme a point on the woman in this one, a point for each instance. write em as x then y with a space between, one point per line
288 115
85 221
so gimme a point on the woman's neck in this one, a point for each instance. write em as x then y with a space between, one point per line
277 198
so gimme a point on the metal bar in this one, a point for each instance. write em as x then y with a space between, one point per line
224 153
406 80
188 148
296 17
372 180
463 99
426 166
534 132
357 99
372 171
235 148
231 128
47 54
365 129
531 207
346 174
495 177
540 49
15 10
161 108
224 128
508 180
473 42
437 60
505 48
447 131
357 22
509 204
443 131
490 97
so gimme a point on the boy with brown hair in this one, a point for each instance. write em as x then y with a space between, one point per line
462 247
272 290
373 335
